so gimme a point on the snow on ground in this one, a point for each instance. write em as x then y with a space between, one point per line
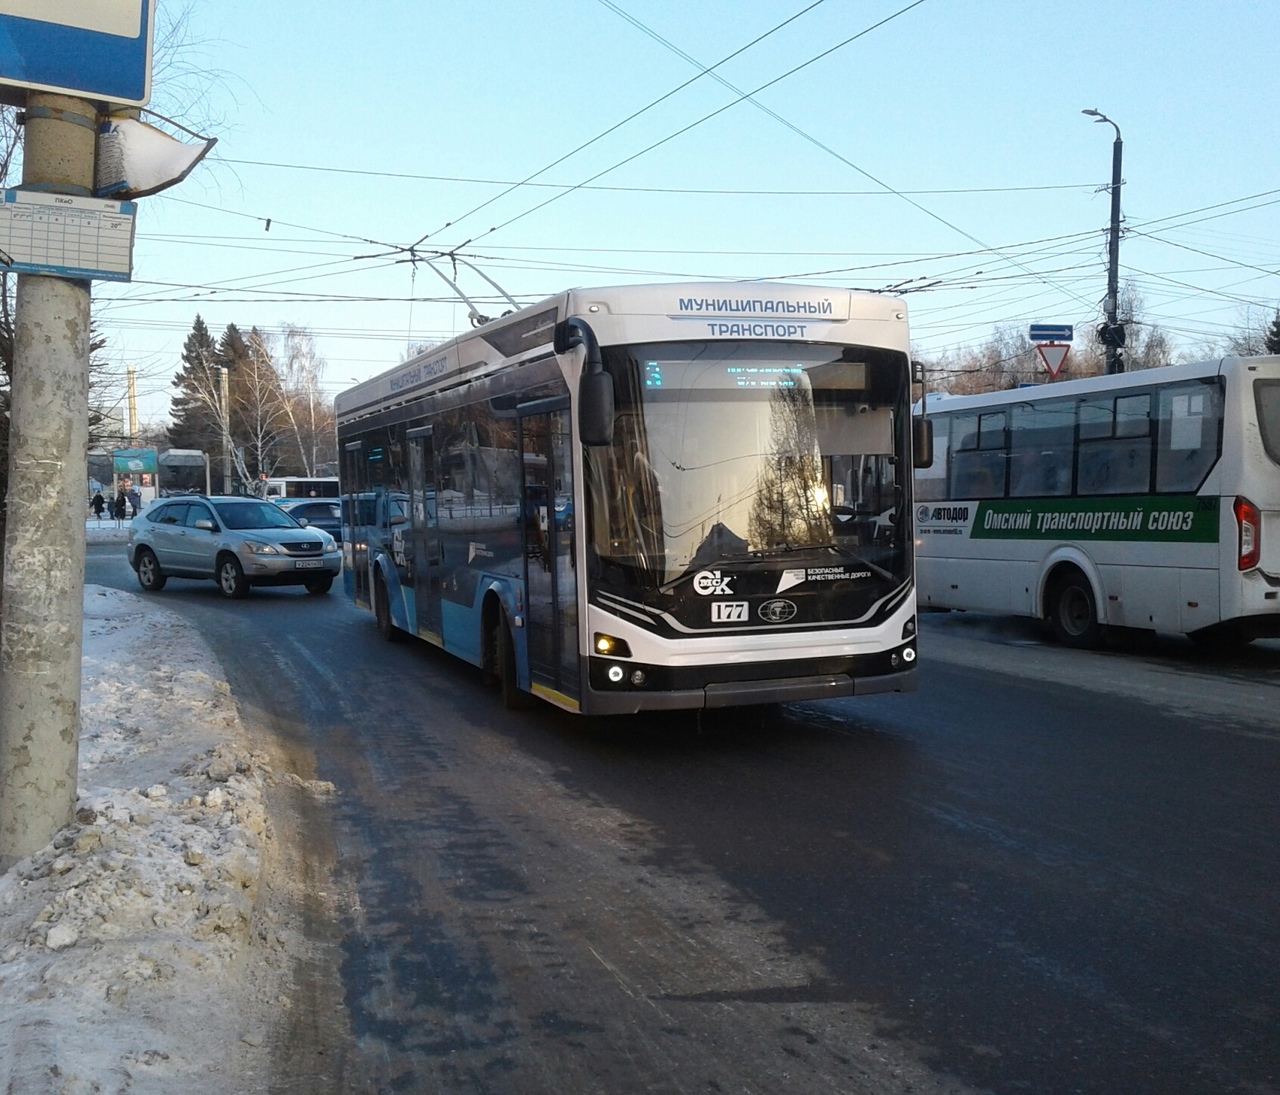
135 953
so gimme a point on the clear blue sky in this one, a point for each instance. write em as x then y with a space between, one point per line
956 159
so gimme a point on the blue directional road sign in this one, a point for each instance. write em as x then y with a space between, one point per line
1051 332
92 49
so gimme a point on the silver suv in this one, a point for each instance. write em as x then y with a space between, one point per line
238 542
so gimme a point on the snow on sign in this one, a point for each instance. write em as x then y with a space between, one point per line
1053 354
94 49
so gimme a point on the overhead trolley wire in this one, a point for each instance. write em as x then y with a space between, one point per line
619 125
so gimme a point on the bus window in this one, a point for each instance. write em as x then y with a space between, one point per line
1190 428
1266 394
978 460
1113 458
1040 444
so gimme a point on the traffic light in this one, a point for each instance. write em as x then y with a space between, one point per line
1111 335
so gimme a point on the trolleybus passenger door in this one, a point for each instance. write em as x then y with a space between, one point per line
355 535
425 549
547 521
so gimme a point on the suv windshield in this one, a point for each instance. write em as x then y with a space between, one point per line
749 451
253 515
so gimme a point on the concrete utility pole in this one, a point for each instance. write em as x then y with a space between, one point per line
40 634
1112 332
224 395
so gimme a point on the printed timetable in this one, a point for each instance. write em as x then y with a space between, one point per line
67 237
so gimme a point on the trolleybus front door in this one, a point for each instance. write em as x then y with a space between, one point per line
425 549
355 534
547 520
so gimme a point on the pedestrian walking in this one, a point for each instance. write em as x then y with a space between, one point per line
98 505
122 506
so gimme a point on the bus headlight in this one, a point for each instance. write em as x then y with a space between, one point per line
611 647
615 674
909 655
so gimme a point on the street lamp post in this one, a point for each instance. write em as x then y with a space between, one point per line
1112 332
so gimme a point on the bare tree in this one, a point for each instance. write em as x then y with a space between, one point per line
309 412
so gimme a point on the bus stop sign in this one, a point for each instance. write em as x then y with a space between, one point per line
92 49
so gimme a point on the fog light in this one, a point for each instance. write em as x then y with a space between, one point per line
637 677
909 655
615 674
893 659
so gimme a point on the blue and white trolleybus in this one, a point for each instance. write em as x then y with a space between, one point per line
647 497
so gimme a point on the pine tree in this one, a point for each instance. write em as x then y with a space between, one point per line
196 409
1271 340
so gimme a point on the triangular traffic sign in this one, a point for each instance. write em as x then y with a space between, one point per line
1053 354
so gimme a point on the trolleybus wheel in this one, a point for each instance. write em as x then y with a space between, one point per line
382 612
513 697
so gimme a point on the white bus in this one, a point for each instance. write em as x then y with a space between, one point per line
647 497
276 488
1142 500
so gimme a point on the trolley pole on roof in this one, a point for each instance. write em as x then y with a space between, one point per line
1112 332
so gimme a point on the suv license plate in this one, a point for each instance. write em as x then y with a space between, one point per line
309 564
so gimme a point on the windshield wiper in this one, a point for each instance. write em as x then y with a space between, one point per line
844 552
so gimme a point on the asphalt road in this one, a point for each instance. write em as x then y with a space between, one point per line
1048 871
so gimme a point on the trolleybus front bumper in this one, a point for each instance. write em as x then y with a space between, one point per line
742 693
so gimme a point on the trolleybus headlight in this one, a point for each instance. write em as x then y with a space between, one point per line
637 677
616 673
909 655
611 647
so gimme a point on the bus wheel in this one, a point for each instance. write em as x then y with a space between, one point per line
1073 616
382 612
513 697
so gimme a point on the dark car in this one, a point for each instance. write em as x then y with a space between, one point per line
236 542
315 513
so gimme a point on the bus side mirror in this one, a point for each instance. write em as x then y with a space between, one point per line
595 386
595 409
922 442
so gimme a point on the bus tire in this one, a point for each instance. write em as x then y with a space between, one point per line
1073 614
513 697
382 612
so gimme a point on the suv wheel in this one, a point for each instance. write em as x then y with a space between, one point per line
231 579
150 577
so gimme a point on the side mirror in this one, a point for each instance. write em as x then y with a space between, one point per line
595 386
206 524
303 522
922 442
595 409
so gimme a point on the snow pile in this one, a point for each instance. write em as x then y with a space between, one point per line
135 953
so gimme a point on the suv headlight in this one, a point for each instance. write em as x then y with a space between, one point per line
257 547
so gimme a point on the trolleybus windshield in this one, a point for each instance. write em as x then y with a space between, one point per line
757 453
